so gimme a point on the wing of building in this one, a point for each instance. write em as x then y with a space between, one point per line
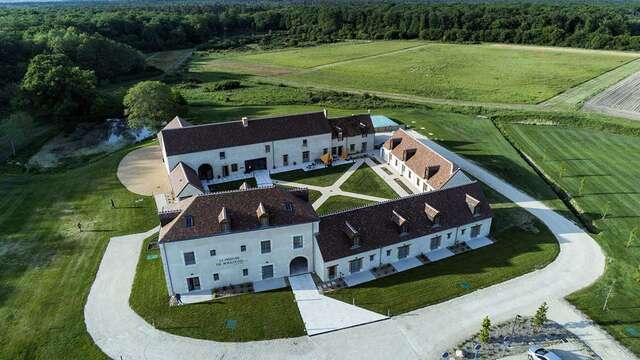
245 236
226 151
424 168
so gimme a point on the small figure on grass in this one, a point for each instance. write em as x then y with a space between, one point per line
485 334
113 204
79 226
178 299
540 318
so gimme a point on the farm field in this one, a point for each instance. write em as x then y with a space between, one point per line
523 244
600 170
48 265
621 99
483 73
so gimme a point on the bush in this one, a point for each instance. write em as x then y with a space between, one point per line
224 85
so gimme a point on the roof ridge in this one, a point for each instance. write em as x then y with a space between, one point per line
238 121
397 199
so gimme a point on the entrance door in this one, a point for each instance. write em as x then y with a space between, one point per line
333 271
364 147
193 283
255 164
298 265
225 170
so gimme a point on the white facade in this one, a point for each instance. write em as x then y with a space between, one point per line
353 144
223 260
389 254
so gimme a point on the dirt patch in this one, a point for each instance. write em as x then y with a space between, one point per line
142 171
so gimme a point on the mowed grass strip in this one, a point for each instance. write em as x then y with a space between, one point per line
481 73
365 181
523 244
339 203
322 177
600 170
48 265
258 316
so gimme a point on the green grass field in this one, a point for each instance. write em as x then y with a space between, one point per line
365 181
484 73
608 167
48 266
232 185
321 177
167 60
523 244
258 316
339 202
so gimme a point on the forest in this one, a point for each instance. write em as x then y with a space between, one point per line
89 45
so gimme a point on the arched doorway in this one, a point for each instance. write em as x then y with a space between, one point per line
298 266
205 172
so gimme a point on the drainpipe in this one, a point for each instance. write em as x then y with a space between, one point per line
166 263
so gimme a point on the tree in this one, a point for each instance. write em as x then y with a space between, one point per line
151 104
53 87
540 318
485 330
17 128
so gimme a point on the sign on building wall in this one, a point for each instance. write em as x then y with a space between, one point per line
230 261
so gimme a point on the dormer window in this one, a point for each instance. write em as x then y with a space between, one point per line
353 234
394 142
188 221
473 204
288 206
263 215
400 221
431 171
224 220
432 214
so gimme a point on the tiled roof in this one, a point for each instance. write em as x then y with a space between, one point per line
351 125
421 158
377 225
183 175
228 134
240 210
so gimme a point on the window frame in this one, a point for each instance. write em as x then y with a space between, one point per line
212 252
184 260
222 155
293 239
262 242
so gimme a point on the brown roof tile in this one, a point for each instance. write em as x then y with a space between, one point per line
375 225
221 135
422 160
351 125
183 175
240 210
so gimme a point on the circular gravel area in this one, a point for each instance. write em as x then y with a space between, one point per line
142 171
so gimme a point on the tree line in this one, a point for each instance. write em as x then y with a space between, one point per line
89 45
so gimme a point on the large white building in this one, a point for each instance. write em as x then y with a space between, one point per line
235 149
219 239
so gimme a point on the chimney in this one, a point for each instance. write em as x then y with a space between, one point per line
326 113
400 221
245 121
352 234
432 214
473 204
430 171
263 215
224 220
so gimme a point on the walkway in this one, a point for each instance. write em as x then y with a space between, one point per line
334 189
322 314
420 334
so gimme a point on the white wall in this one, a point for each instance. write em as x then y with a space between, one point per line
420 245
229 260
357 141
238 154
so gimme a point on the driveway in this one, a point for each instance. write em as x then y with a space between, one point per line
142 171
424 333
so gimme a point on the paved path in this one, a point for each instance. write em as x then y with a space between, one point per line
334 189
420 334
142 171
322 314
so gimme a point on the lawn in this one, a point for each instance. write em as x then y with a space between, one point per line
259 316
167 60
607 167
232 185
339 202
523 244
322 177
48 266
365 181
485 73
